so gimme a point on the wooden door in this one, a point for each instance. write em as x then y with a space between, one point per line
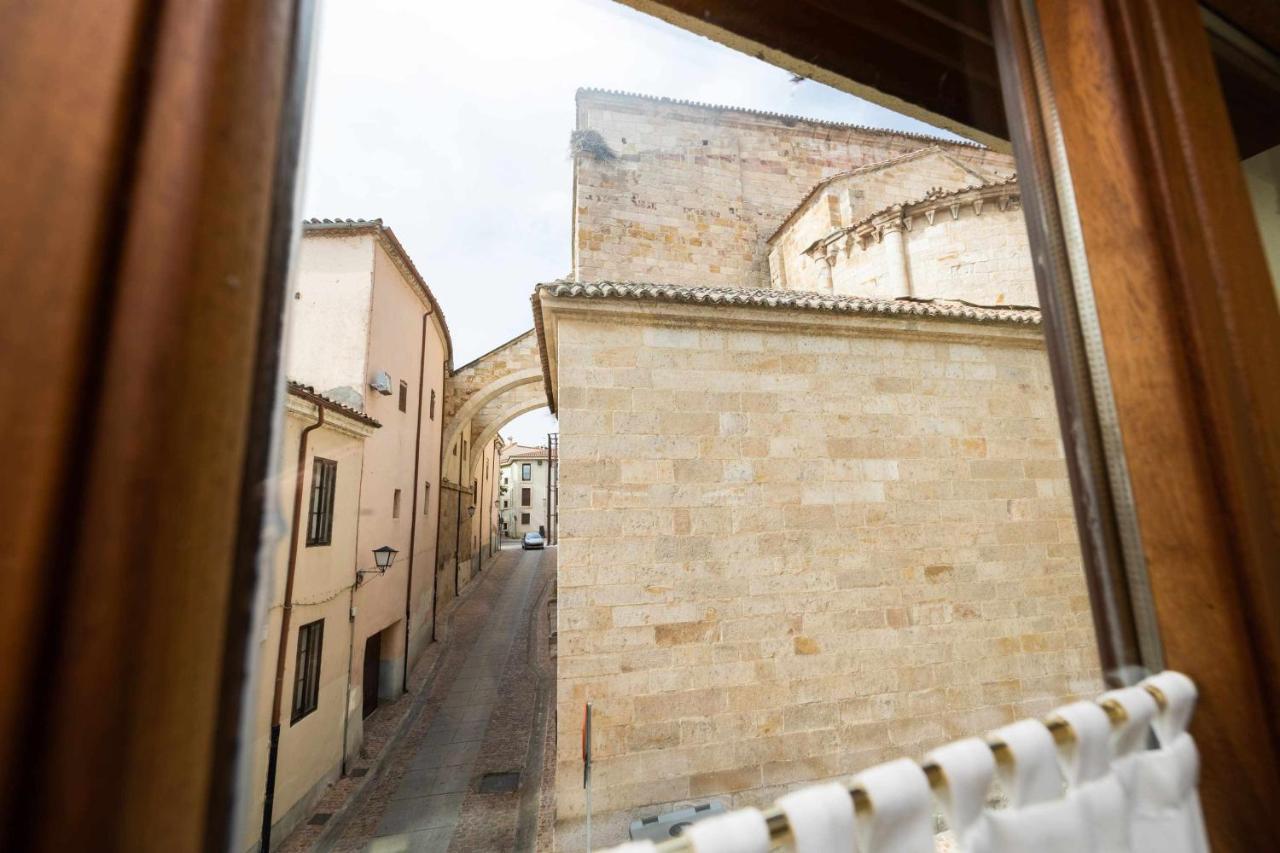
372 667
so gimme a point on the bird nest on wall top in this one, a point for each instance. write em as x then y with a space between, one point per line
591 143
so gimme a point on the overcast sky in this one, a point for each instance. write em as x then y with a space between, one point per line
451 122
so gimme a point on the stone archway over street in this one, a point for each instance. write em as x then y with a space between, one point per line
480 398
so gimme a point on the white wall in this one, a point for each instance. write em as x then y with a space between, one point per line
329 315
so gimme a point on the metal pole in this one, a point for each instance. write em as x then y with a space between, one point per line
586 766
413 504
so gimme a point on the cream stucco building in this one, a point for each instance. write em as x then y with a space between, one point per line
367 337
525 472
313 720
366 330
814 511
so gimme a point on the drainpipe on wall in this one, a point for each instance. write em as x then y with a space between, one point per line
346 697
351 641
413 505
273 754
435 570
457 527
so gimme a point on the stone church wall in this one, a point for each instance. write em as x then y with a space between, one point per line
982 259
692 193
847 200
795 544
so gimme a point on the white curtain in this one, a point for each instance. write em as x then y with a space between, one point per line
1124 783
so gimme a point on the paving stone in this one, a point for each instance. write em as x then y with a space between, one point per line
420 813
448 755
422 793
423 841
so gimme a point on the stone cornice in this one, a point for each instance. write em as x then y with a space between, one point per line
870 168
788 299
779 118
771 309
546 341
1003 196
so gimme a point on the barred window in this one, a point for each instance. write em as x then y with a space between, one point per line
306 674
324 479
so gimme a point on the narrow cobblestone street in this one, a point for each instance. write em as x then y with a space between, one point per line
466 774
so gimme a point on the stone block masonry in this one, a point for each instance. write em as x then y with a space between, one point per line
694 192
796 543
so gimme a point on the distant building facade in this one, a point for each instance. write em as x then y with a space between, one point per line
814 508
482 396
525 472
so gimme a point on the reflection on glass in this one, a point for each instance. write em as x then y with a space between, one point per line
1262 174
1250 78
811 511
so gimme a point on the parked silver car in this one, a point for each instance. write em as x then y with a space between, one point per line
532 540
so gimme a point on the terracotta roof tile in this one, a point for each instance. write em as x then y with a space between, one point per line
790 119
307 392
765 298
792 299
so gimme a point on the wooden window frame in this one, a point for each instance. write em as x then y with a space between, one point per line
1170 437
308 657
163 251
525 516
1154 230
320 507
526 472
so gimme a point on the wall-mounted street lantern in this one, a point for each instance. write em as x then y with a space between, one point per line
471 510
382 559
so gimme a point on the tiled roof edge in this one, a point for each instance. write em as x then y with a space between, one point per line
867 169
299 389
931 197
788 299
535 301
680 102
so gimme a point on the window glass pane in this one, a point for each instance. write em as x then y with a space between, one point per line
814 501
1250 77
